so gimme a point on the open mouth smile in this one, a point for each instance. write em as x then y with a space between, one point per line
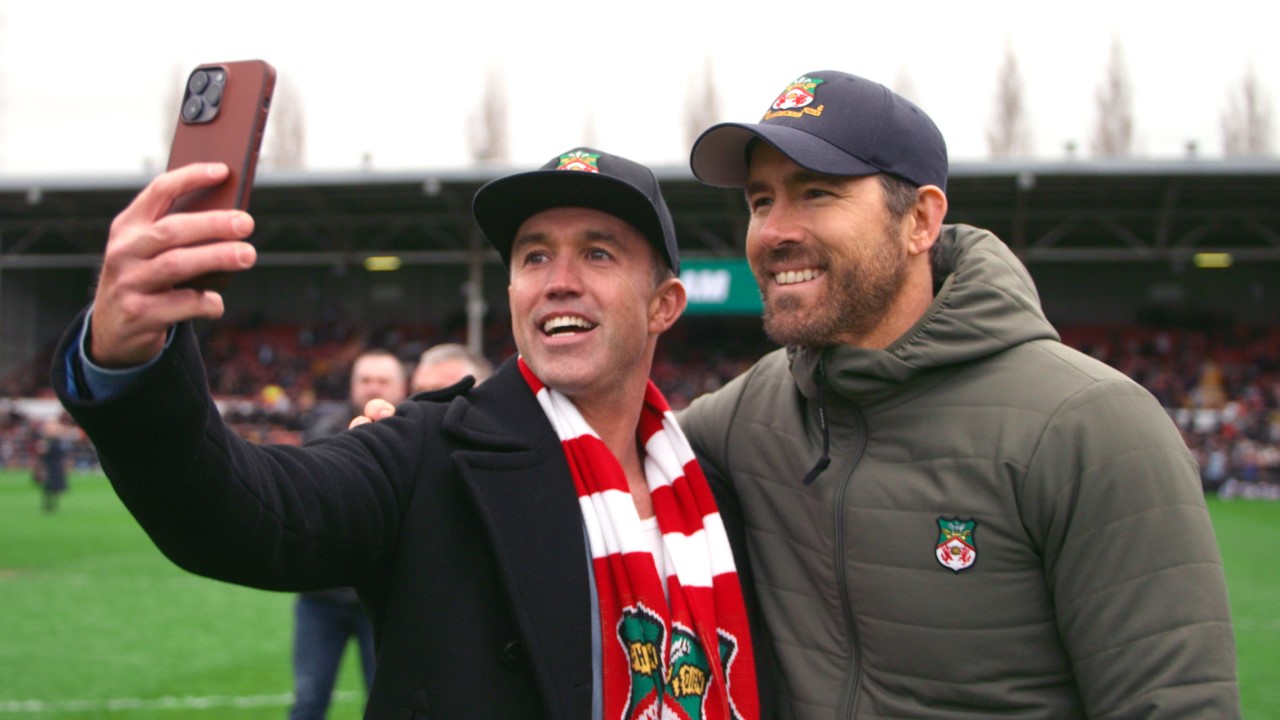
792 277
566 325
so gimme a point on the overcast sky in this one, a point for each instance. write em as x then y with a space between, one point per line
89 87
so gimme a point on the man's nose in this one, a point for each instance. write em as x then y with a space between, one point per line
780 225
563 277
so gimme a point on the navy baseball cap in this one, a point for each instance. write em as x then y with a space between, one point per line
833 123
581 177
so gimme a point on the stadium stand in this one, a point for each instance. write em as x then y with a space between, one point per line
1114 247
1221 387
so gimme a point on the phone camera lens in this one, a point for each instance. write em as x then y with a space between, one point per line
192 108
213 95
198 82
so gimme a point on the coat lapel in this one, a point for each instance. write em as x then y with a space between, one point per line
524 492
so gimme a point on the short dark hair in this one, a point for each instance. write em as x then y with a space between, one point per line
899 195
375 351
380 352
661 270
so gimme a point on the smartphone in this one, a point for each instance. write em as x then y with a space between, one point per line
222 119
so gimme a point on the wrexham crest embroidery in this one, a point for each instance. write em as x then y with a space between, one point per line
579 160
683 681
796 99
956 549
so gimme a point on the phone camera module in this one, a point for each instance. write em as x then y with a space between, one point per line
205 88
192 108
198 82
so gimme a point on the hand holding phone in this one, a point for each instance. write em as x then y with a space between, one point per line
222 119
151 253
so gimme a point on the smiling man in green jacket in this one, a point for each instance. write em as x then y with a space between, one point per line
950 514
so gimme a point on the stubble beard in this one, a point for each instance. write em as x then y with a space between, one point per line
858 297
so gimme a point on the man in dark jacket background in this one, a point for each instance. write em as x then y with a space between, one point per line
324 620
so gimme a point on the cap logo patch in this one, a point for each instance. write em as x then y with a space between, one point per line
579 160
796 99
956 549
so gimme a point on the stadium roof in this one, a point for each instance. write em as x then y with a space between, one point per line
1065 211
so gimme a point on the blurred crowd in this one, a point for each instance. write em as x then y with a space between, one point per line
1220 386
25 438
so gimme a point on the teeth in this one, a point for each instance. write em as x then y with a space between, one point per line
568 323
791 277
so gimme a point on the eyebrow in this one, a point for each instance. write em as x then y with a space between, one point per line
800 177
590 235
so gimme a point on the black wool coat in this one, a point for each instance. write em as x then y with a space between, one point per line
456 521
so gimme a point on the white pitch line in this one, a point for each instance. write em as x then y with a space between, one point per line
1250 624
168 702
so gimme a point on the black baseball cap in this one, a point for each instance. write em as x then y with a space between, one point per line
581 177
833 123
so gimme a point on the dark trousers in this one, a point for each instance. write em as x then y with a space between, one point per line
321 630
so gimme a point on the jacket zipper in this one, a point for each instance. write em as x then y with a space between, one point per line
849 702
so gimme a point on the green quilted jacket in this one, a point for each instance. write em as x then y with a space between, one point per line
1006 528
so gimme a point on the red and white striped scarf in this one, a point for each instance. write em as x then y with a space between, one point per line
687 658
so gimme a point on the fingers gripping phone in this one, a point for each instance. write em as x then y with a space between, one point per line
222 119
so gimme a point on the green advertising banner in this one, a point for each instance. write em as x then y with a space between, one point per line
720 287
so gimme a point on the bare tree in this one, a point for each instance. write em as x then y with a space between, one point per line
1113 128
701 102
1247 129
1009 134
488 130
285 146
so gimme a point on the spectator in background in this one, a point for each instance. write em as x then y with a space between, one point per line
445 364
325 619
50 464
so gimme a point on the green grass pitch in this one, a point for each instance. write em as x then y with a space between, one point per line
96 623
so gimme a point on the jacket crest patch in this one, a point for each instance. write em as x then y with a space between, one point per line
956 549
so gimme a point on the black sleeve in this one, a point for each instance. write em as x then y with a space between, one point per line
731 515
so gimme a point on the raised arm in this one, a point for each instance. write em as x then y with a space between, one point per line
149 253
269 516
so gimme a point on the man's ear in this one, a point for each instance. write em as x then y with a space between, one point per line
926 218
668 304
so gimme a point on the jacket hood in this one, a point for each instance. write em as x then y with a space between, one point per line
986 304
